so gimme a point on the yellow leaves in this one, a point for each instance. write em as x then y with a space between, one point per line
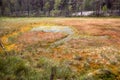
57 49
24 29
4 39
10 47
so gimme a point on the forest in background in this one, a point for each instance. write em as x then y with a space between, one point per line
57 7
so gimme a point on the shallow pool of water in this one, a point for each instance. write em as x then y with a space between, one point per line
63 29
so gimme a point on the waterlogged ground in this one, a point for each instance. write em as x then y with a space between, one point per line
78 48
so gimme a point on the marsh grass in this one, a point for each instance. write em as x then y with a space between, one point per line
13 68
33 62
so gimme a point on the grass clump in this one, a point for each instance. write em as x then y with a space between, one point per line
65 73
13 68
60 71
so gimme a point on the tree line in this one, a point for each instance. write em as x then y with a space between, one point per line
54 7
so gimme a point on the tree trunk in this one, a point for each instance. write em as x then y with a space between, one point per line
2 8
28 7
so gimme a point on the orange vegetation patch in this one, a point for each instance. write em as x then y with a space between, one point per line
97 27
57 57
37 36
